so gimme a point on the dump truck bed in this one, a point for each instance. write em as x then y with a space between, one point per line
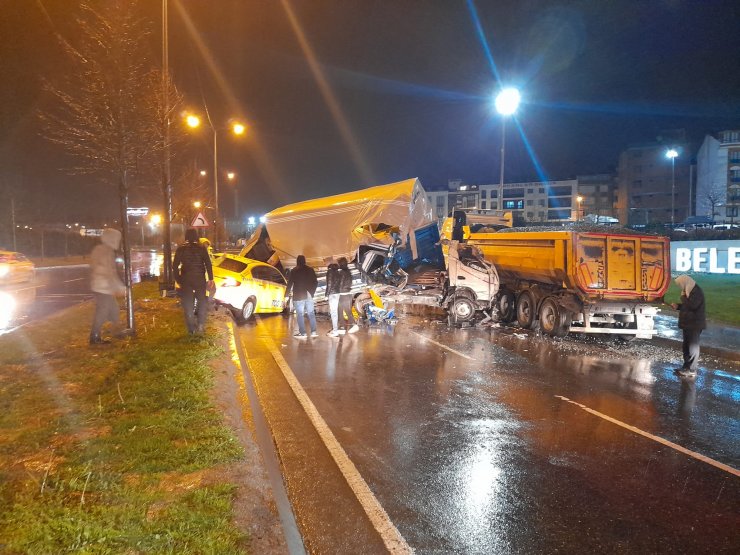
597 266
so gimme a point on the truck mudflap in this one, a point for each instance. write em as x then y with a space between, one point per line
636 320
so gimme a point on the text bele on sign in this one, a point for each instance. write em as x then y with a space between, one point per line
709 257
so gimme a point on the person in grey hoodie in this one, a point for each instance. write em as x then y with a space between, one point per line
105 283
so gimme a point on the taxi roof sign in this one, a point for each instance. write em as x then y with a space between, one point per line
200 221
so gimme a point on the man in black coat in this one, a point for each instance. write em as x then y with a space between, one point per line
190 267
692 320
302 281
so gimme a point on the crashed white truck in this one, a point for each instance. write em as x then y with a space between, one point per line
392 240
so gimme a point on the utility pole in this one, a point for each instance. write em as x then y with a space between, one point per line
12 220
166 176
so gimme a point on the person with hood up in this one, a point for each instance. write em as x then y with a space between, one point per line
303 282
345 294
105 284
190 266
692 320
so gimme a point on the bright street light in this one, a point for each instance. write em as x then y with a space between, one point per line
192 120
155 219
238 128
197 204
507 101
203 173
672 153
231 175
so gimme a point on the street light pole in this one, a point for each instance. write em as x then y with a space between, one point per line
507 102
166 175
672 153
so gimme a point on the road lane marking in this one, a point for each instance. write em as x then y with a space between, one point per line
659 439
76 279
240 360
380 520
443 346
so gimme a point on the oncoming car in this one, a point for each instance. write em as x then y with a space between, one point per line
247 286
15 268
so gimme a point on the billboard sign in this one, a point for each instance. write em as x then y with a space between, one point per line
706 257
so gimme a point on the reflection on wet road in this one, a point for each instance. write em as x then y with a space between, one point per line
58 287
469 441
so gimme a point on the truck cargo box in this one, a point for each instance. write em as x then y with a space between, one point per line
598 266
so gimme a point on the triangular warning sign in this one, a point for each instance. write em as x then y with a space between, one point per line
200 221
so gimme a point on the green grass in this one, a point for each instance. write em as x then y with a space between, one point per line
116 449
722 295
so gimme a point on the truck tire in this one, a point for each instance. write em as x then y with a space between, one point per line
525 309
462 309
362 301
506 307
554 320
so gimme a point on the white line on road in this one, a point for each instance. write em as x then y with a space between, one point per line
375 512
659 439
443 346
76 279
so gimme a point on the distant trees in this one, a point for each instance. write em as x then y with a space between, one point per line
107 111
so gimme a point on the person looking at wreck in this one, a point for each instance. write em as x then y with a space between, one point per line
692 320
345 294
332 294
302 282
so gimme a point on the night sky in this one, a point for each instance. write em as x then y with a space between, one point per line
412 85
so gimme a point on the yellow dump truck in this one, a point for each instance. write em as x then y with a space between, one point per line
578 281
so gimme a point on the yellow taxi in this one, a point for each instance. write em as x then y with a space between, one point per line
247 286
15 268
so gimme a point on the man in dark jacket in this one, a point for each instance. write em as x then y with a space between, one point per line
302 281
345 294
332 294
692 320
190 267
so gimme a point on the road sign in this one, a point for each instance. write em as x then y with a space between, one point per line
200 221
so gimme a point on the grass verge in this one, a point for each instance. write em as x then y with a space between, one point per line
721 293
117 448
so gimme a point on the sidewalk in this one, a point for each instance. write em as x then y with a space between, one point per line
719 339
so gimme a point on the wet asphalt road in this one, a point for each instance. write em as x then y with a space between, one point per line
468 440
59 287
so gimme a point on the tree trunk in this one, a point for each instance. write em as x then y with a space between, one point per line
123 198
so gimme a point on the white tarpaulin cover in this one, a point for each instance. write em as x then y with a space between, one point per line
335 226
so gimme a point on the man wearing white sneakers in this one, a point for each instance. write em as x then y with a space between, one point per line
302 281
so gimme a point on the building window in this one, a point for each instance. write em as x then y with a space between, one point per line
513 205
732 211
560 191
637 183
541 215
483 204
530 203
513 193
483 193
559 214
530 215
542 190
541 202
530 191
559 202
735 156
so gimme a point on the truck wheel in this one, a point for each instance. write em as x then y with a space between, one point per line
462 309
506 308
362 301
525 310
554 320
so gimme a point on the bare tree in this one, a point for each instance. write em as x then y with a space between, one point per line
715 196
107 113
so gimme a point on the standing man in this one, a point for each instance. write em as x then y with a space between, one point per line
692 320
332 293
105 283
345 294
302 281
190 267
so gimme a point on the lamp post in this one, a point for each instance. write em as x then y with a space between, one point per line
579 200
672 153
237 128
232 179
507 101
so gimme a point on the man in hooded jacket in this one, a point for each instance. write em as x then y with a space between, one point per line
190 266
692 320
302 282
105 283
